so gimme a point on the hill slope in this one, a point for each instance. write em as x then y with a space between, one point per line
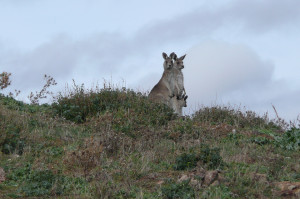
114 143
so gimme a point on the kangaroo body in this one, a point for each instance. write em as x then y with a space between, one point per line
163 91
178 65
179 100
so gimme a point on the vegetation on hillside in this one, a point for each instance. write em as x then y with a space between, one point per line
114 143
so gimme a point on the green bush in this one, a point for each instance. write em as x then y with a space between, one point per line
43 182
38 183
14 104
235 117
186 161
290 140
129 109
172 190
211 157
260 140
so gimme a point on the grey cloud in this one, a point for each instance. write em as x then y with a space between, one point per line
61 56
222 73
263 15
218 68
107 52
256 16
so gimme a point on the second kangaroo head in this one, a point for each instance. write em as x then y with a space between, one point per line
178 62
168 63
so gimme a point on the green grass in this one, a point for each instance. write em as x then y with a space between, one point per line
115 143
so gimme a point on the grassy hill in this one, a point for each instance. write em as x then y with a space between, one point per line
115 143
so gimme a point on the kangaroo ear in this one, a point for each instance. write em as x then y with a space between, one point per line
173 56
164 55
182 57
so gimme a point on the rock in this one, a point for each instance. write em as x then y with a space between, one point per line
160 182
2 175
183 178
210 177
215 183
200 173
194 182
288 188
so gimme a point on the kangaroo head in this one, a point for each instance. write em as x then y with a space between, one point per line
181 101
168 63
178 62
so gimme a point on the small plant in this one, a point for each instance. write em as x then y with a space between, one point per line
173 190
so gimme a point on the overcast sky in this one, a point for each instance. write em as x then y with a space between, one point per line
240 52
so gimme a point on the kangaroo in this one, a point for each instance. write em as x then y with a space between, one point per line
163 91
178 65
179 99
